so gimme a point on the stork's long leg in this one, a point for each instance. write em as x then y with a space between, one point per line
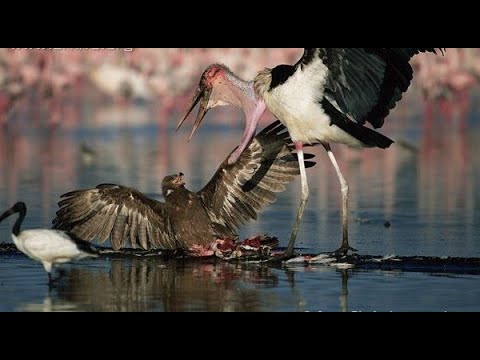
344 190
303 200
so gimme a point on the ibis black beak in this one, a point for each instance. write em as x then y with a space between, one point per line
6 214
19 207
202 96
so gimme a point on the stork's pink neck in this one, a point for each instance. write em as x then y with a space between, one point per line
230 89
251 122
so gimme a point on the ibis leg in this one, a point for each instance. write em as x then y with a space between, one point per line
344 190
51 281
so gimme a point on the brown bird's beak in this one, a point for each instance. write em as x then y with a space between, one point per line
179 179
202 95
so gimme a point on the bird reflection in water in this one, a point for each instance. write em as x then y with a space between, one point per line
302 304
149 284
48 304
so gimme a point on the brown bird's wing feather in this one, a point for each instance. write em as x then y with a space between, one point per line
121 213
238 192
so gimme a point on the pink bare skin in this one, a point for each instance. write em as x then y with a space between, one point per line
220 87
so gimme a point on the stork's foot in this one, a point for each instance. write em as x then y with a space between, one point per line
343 251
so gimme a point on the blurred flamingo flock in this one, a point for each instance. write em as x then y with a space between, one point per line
63 82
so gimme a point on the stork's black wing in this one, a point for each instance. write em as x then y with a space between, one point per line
365 83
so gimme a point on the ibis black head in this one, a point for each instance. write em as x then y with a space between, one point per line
19 207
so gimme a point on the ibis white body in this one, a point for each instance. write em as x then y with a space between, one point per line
49 247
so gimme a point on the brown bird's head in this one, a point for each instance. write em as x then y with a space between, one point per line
171 183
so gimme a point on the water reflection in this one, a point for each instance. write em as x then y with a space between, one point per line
151 284
327 300
155 285
48 304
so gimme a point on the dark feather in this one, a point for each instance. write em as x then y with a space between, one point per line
365 83
367 136
111 211
236 194
280 74
83 245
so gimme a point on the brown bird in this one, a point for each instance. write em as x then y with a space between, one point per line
186 220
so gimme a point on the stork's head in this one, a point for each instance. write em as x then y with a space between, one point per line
171 183
218 87
203 95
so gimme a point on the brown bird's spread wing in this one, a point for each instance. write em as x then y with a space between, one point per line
365 83
238 192
118 212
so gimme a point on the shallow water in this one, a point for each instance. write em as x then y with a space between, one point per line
424 186
157 285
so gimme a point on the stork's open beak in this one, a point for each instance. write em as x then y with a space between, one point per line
202 95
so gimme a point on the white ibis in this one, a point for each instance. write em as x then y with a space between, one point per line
47 246
327 97
187 220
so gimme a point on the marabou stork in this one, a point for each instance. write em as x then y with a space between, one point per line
327 97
